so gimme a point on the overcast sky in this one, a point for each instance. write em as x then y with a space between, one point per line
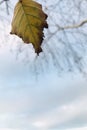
51 102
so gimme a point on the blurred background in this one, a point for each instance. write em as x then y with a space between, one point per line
48 91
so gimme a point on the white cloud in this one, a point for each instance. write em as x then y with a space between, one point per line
46 105
82 128
8 129
62 114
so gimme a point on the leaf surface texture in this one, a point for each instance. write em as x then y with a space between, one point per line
28 23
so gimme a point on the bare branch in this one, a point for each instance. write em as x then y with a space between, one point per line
72 26
7 6
1 2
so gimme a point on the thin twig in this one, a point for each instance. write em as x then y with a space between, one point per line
72 26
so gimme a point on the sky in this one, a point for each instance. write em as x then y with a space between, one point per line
32 100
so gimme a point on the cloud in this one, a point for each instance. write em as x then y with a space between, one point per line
45 106
9 129
63 114
79 128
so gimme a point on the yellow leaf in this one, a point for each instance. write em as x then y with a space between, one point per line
28 23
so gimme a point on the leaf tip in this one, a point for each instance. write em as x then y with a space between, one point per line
38 50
